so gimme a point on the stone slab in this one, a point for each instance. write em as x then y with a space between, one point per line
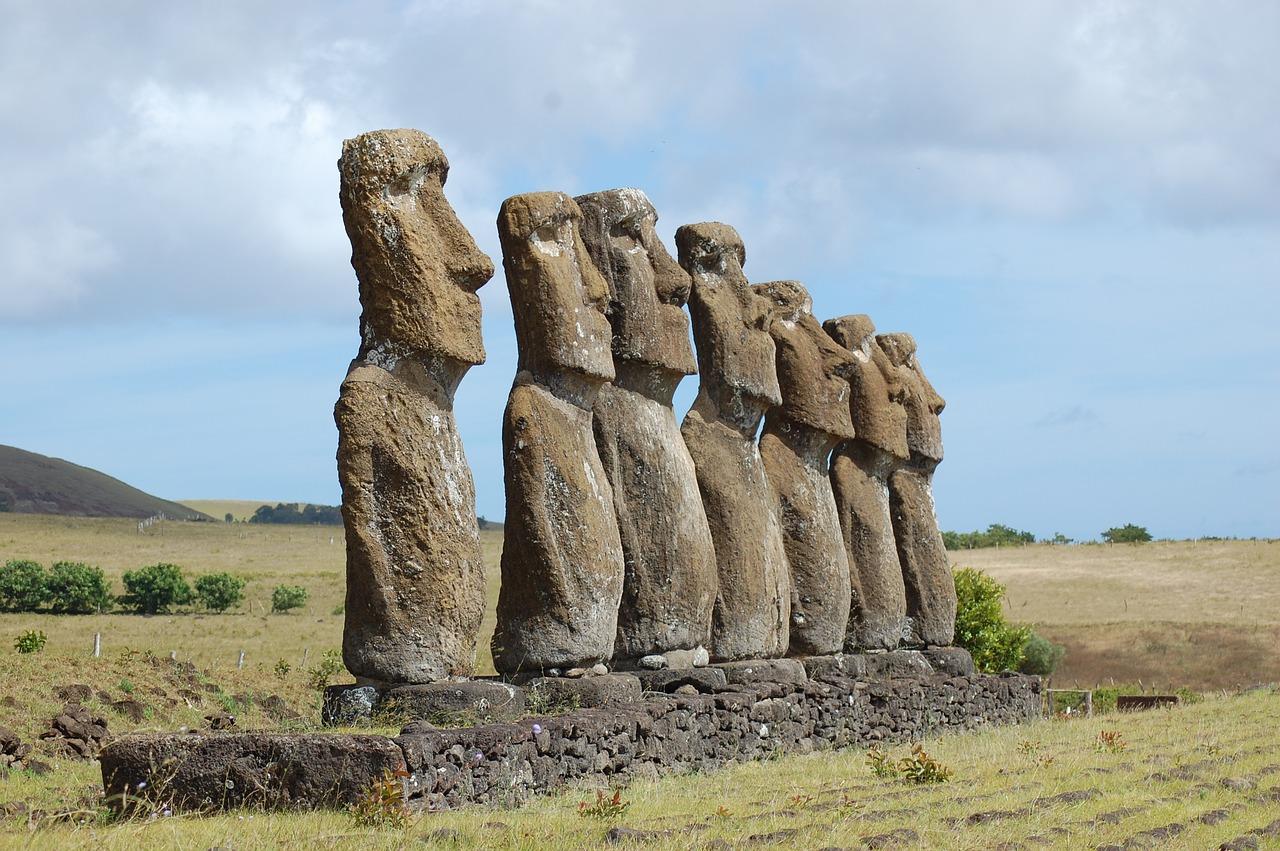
848 665
953 661
751 671
705 680
446 703
896 663
563 693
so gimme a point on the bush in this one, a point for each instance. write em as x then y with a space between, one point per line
31 641
155 588
218 592
997 535
1127 534
981 628
287 597
78 589
23 586
1041 656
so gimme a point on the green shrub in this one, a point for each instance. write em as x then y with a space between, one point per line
31 641
981 628
78 589
218 592
155 588
23 586
287 597
319 676
1041 656
1127 534
997 535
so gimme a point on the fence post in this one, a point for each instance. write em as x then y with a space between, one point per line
1088 704
97 645
240 661
173 655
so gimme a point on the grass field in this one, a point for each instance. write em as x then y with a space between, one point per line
1198 614
1174 614
1192 777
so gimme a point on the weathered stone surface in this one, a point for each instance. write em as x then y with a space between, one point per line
705 680
752 671
926 572
415 581
469 701
507 763
349 704
847 665
896 663
562 564
670 581
796 447
738 385
952 661
600 690
267 770
860 470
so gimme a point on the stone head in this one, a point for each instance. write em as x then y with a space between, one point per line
879 417
557 295
647 288
813 370
418 267
922 402
730 322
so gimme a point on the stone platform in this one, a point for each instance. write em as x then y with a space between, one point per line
506 762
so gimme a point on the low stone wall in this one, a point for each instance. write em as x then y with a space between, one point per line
506 763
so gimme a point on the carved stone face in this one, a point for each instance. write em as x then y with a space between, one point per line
878 390
418 267
922 402
730 322
557 296
647 288
813 371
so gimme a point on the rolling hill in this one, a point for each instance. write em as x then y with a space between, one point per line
37 484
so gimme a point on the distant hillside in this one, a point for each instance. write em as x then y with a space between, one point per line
37 484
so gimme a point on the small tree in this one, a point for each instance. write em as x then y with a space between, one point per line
1126 534
218 592
981 628
78 589
155 588
229 517
287 597
23 586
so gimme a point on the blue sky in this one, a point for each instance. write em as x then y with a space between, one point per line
1074 207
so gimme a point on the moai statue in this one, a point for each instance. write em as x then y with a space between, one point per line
931 592
562 561
670 583
796 446
860 470
415 580
739 383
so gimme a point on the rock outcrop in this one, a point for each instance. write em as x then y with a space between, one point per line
739 383
860 470
931 593
415 580
670 579
796 447
562 564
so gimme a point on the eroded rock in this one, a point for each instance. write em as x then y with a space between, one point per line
860 470
562 563
739 383
926 573
670 576
415 580
796 448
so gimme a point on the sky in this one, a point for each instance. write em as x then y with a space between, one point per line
1073 206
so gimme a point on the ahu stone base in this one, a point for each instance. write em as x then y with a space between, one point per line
735 717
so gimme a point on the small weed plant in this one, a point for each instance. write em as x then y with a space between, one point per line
605 807
1110 741
31 641
282 669
880 763
318 677
382 804
921 768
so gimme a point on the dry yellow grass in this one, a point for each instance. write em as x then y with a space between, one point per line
1190 777
240 509
1198 614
